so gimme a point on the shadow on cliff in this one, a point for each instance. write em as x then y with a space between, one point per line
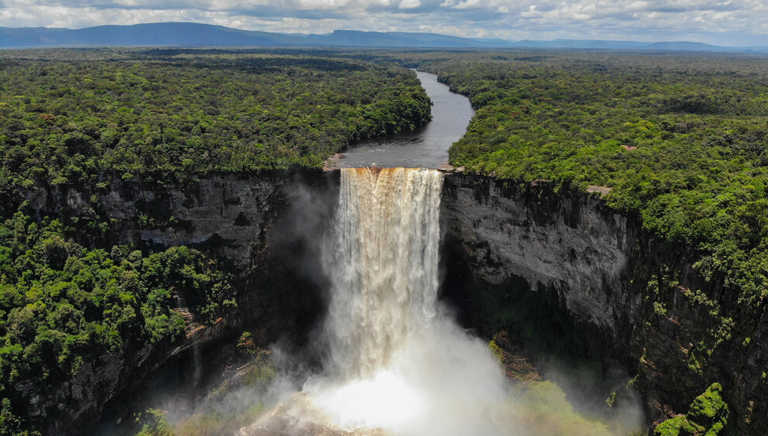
281 300
551 357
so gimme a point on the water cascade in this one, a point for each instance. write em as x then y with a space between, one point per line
384 264
398 364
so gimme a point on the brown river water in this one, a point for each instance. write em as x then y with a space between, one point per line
424 148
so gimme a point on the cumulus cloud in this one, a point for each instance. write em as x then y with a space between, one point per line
726 22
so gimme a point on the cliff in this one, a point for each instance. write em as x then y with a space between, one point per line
262 228
607 288
557 267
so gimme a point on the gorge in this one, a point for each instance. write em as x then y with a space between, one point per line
397 362
526 258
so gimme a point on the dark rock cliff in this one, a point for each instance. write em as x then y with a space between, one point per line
568 266
264 228
561 266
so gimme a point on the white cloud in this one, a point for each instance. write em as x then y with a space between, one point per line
717 21
409 4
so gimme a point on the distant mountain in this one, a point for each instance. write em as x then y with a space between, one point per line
154 34
354 38
582 44
629 45
205 35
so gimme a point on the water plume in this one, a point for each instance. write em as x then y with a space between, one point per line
397 362
384 259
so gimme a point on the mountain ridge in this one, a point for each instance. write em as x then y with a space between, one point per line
188 34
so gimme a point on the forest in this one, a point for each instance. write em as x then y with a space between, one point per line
66 307
681 141
72 301
70 122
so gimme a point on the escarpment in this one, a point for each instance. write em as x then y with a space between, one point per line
555 263
233 214
262 231
565 264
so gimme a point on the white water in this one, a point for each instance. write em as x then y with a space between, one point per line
384 264
398 364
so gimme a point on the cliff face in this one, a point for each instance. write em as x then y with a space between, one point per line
228 212
570 245
560 265
264 229
607 288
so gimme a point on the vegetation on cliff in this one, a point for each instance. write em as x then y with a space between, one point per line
66 311
707 416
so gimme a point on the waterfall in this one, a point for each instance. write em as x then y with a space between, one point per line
398 363
384 264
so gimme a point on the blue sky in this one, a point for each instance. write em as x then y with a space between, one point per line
724 22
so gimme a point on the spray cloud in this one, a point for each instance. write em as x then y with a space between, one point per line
397 362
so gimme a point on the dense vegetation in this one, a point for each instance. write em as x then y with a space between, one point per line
76 309
70 122
708 415
682 142
66 309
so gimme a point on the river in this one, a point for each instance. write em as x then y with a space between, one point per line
424 148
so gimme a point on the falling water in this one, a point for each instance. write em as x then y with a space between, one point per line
384 264
398 363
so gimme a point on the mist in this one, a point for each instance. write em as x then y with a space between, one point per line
393 359
396 361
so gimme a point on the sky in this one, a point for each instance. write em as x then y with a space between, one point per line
722 22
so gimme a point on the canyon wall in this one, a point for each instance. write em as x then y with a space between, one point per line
605 286
262 228
555 264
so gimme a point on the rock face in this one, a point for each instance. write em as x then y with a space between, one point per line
575 272
233 214
566 244
574 269
264 228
